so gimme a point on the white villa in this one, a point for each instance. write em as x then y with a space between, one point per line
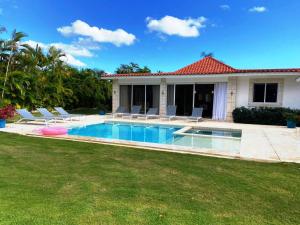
216 87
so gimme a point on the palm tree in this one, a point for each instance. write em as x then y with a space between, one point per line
12 45
58 70
132 68
207 54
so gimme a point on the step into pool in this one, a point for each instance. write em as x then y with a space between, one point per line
215 132
156 134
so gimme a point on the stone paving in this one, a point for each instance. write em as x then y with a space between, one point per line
258 142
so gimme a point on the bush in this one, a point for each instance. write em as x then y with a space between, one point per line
267 116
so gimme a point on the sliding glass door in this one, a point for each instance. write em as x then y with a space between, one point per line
184 99
204 97
139 96
187 96
125 96
152 97
171 94
147 96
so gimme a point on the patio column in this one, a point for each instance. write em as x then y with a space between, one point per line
163 97
115 95
231 97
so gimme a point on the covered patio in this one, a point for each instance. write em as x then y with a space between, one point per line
209 96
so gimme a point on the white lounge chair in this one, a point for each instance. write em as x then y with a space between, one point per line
152 113
171 112
135 112
27 116
196 115
47 114
65 114
120 111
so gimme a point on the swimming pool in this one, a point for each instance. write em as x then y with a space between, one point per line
156 134
129 132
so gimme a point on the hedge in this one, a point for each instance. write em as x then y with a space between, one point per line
267 116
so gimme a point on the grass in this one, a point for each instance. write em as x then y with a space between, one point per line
44 181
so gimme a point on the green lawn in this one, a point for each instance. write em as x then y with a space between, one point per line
44 181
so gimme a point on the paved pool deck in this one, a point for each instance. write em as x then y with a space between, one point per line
258 142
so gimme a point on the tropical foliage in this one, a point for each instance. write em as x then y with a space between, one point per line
132 68
32 77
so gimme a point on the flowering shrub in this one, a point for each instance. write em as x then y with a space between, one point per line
7 112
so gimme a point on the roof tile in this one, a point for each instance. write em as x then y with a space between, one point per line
207 66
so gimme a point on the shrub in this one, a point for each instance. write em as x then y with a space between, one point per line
7 112
261 115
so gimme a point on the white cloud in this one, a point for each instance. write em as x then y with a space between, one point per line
69 50
225 7
72 60
87 43
73 49
117 37
174 26
33 44
258 9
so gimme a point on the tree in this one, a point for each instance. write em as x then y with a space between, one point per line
35 77
12 46
132 68
207 54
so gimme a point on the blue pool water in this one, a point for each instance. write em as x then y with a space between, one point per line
129 132
154 134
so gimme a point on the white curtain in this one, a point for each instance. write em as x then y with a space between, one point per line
220 101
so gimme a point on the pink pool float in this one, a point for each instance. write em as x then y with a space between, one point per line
52 131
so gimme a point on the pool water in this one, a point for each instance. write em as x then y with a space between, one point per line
128 132
157 134
219 133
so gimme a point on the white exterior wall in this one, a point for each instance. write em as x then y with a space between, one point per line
115 95
242 92
163 98
290 88
290 91
231 97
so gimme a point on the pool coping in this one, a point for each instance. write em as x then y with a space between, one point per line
179 132
136 145
262 143
155 146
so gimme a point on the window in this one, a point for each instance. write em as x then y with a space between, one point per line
265 92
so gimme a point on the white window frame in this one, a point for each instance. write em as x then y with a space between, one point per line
278 103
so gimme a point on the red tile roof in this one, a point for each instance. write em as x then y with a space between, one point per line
206 66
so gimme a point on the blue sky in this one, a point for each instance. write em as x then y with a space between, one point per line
164 35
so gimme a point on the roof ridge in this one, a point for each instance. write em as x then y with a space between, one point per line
218 61
209 64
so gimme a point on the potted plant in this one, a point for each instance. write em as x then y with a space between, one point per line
291 119
6 113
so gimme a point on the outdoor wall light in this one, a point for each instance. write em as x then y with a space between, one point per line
115 92
162 92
